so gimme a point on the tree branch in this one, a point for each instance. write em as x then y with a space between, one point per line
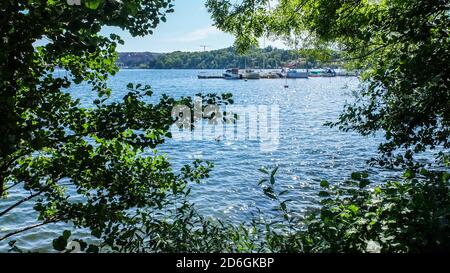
20 202
27 228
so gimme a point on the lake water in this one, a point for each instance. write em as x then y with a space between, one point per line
307 153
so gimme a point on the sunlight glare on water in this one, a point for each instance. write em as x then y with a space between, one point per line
308 152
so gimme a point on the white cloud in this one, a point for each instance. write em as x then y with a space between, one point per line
197 35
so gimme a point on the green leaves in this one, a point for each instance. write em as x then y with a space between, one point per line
387 214
92 4
324 184
272 175
264 170
409 174
270 193
96 233
353 208
60 243
361 177
324 194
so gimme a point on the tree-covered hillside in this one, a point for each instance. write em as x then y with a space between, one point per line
268 57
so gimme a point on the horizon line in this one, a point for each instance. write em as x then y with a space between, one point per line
187 51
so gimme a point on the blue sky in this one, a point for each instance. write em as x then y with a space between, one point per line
189 27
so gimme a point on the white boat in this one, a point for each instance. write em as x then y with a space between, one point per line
270 75
326 72
232 74
329 72
295 74
251 74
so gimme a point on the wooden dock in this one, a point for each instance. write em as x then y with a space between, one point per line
278 76
210 77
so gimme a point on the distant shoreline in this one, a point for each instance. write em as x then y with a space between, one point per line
256 58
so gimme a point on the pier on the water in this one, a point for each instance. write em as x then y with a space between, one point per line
250 74
210 77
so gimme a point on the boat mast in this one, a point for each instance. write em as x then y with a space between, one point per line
263 52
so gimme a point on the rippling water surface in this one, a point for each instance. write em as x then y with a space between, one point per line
308 152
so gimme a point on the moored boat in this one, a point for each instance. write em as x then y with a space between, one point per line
204 75
232 74
295 74
250 74
329 72
270 75
326 72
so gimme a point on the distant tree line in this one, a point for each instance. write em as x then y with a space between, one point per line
268 57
